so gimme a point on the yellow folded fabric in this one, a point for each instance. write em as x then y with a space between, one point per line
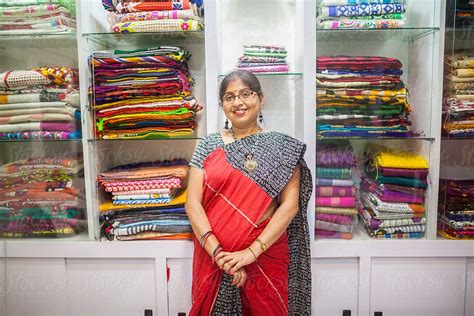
405 160
108 206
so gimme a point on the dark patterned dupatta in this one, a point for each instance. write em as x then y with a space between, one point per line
234 199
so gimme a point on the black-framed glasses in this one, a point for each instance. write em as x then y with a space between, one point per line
245 95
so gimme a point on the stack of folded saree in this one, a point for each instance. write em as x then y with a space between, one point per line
458 107
392 194
39 198
335 191
361 14
263 59
147 201
361 96
41 103
143 94
127 16
37 16
456 209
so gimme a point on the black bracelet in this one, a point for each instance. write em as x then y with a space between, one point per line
215 252
204 237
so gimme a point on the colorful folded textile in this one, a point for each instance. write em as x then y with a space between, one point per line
335 14
458 93
39 104
148 201
335 190
144 94
39 198
263 59
171 25
327 234
361 96
37 17
336 210
346 201
127 16
456 209
360 10
392 193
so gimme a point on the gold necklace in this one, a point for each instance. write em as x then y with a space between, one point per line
250 164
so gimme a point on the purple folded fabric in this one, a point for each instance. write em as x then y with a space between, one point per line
404 173
394 196
322 233
387 195
333 218
334 191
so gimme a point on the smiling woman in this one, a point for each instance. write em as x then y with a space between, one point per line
247 198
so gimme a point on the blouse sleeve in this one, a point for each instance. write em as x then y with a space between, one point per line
200 154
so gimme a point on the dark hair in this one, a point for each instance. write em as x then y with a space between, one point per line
247 77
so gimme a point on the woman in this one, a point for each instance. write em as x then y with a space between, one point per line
247 198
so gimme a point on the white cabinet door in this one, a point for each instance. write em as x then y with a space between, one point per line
335 286
36 287
179 285
418 286
98 287
470 287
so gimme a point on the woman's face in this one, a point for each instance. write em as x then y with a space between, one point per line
242 111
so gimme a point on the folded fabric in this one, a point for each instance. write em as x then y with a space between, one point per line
360 24
152 15
334 218
173 25
358 2
336 210
400 159
372 201
375 223
334 182
38 76
335 191
333 226
333 173
360 10
321 233
335 201
108 206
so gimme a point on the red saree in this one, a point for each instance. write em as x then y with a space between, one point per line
234 202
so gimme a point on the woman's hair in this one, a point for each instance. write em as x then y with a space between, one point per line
247 78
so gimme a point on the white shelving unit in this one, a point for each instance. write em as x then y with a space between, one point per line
66 277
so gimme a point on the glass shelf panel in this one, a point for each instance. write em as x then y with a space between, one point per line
373 138
137 140
273 74
38 39
405 34
78 140
145 38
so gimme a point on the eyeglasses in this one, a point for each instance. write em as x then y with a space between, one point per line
245 95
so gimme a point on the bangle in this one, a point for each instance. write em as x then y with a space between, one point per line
253 253
215 252
204 237
263 246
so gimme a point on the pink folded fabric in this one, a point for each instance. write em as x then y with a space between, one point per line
335 201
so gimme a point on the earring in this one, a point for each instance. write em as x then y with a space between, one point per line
260 117
226 124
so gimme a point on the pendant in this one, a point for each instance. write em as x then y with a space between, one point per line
250 164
